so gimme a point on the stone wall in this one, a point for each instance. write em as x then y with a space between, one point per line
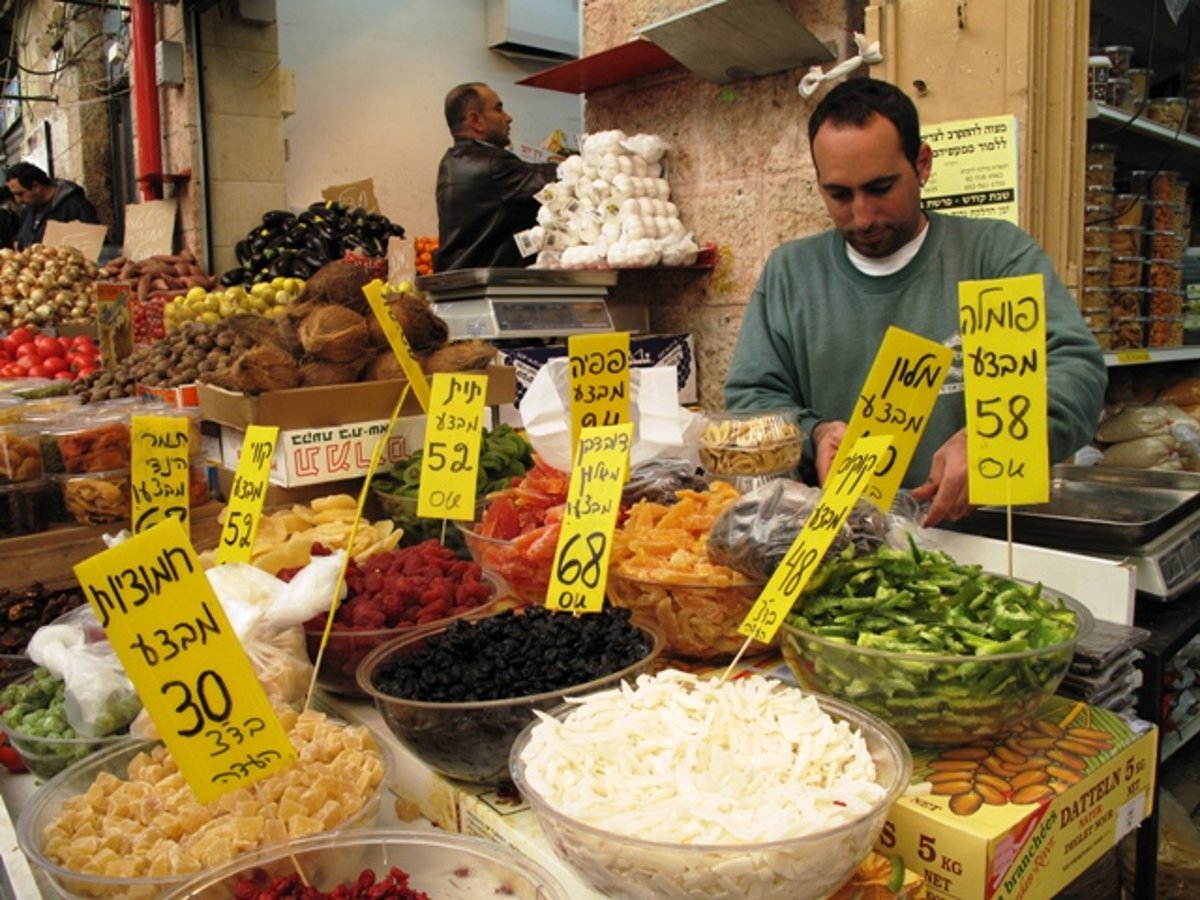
739 168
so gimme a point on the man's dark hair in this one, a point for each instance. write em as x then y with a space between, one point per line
853 102
461 100
27 174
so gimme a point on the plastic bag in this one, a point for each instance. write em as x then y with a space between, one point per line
657 480
100 698
754 533
1134 422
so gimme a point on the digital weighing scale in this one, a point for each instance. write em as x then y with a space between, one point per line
498 303
1149 516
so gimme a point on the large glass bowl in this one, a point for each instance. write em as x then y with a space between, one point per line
808 866
46 804
935 699
449 866
348 647
524 571
699 620
470 741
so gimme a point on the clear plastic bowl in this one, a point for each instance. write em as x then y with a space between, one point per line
47 802
348 647
935 699
698 620
470 741
750 442
524 576
800 868
441 865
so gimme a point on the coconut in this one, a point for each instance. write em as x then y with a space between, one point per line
315 372
424 330
334 334
461 356
384 367
266 367
339 282
254 330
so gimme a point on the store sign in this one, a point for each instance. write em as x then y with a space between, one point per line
580 570
1003 327
843 487
896 399
974 170
247 494
85 237
599 380
450 454
114 322
398 342
168 629
160 470
355 194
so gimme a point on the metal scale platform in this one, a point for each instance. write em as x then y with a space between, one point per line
1151 517
496 304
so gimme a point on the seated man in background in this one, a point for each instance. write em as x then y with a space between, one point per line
484 192
43 198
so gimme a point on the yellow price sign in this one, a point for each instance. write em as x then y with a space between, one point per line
843 487
580 570
599 380
450 456
399 343
160 470
171 634
896 399
1003 327
1125 357
246 494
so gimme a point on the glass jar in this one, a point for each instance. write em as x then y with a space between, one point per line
1170 112
1098 69
1139 87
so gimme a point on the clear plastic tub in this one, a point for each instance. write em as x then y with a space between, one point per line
1097 277
1121 58
1164 331
751 442
1102 155
1097 258
1129 334
1164 302
25 507
1125 271
1099 176
1165 245
1126 240
1097 237
20 459
1127 302
1170 112
1128 209
1165 274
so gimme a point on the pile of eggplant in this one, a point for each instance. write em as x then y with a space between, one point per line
295 245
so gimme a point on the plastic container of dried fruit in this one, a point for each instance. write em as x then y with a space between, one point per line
750 442
440 865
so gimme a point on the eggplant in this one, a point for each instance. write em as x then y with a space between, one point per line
242 250
276 217
282 267
233 276
256 263
313 260
302 269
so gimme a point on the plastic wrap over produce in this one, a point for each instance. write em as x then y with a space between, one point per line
661 427
610 207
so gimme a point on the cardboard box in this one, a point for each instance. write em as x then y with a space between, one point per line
645 351
330 405
186 395
278 496
1099 791
305 456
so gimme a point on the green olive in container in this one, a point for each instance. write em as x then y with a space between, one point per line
751 442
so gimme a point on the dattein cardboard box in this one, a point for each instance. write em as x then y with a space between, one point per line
1024 815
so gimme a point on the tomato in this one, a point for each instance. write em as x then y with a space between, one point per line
54 364
27 361
39 371
29 349
64 375
83 340
86 371
10 346
22 335
9 757
47 346
11 370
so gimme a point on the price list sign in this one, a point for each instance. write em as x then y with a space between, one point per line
160 470
577 578
1003 327
398 342
450 457
170 632
843 487
599 380
246 494
896 399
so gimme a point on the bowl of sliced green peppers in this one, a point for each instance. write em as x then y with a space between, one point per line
942 651
504 454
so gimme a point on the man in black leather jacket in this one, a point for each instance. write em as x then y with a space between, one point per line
484 192
43 198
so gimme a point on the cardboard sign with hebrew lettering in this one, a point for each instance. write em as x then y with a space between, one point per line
150 229
355 193
85 237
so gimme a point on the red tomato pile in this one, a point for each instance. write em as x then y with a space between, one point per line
148 324
26 351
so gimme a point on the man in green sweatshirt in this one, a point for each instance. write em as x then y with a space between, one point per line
823 303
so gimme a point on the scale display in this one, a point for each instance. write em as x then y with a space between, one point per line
492 317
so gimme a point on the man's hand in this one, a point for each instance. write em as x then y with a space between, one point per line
946 486
827 437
